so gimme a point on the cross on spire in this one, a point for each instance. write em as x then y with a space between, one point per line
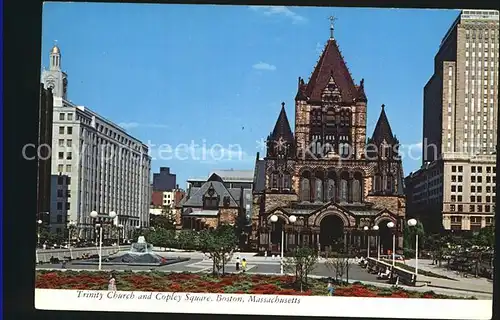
332 19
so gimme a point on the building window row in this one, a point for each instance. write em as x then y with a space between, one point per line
69 130
65 116
118 137
472 208
60 168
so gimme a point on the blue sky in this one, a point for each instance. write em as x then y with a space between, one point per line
212 77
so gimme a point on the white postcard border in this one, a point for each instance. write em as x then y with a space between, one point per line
57 299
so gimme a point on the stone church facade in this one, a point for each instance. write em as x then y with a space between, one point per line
326 173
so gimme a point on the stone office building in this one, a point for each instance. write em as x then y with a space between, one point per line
106 168
455 188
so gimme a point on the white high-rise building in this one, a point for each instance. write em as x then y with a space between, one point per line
106 168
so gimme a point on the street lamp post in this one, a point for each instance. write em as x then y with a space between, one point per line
377 240
119 228
274 219
413 223
368 241
94 215
292 220
71 224
39 224
391 226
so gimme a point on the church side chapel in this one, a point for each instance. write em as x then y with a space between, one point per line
326 185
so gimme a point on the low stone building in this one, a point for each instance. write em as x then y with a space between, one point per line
212 204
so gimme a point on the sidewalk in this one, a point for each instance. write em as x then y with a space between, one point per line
460 283
445 291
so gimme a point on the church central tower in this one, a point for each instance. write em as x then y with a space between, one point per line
330 116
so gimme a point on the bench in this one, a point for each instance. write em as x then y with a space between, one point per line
375 266
372 266
405 277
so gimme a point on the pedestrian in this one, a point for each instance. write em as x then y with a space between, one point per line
244 265
237 263
330 288
112 283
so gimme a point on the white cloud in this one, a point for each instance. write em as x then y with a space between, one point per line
217 153
319 48
132 125
279 10
264 66
128 125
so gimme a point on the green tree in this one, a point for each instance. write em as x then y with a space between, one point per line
165 221
485 237
302 263
409 234
339 266
218 245
187 239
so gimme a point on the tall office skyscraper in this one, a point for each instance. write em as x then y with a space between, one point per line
457 180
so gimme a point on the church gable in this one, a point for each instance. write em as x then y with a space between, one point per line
331 65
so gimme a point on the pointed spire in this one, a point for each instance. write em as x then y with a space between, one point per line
383 129
282 127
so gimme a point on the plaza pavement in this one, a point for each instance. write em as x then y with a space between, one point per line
470 283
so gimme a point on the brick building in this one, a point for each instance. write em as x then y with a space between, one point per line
327 173
212 204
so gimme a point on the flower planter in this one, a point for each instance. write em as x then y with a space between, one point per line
189 282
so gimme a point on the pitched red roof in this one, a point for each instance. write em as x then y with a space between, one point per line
331 63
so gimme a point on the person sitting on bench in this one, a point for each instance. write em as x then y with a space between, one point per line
385 274
363 262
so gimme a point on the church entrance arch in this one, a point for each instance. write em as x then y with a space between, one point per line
385 236
332 233
276 231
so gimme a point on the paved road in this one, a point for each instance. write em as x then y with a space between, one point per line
205 265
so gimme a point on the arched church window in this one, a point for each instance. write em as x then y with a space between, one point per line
286 181
377 185
356 191
330 117
344 149
387 151
343 190
274 180
305 191
318 196
389 184
331 190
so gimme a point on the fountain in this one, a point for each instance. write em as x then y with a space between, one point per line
140 254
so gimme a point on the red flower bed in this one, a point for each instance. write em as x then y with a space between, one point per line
188 282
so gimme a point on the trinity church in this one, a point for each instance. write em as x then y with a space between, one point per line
326 181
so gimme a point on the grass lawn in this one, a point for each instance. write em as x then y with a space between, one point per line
206 283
